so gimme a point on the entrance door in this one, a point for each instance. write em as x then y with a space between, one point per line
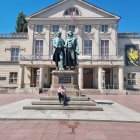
107 78
88 78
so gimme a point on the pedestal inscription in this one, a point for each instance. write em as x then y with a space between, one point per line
64 79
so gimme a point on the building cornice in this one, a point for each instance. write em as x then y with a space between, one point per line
100 9
41 11
67 19
130 35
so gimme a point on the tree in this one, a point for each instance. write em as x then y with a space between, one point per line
21 23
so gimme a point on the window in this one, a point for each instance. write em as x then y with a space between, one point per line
39 47
55 28
104 28
39 28
70 11
72 28
13 78
87 47
14 54
131 78
87 28
104 49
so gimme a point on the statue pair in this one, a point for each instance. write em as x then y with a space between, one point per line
65 53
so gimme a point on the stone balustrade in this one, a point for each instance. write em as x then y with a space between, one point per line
80 57
128 35
101 58
35 58
14 36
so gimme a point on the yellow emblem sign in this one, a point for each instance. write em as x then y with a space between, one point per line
133 55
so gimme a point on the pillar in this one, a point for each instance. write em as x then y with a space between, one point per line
31 30
96 40
47 42
80 78
121 78
21 77
63 30
41 76
100 78
80 37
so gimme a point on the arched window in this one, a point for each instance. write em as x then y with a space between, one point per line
70 11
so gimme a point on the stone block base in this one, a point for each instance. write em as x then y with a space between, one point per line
68 78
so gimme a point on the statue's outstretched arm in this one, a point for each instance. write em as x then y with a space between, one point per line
54 44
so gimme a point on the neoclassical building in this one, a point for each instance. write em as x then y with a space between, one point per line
107 60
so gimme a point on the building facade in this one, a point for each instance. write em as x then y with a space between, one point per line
107 59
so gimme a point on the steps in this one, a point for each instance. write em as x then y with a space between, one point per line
80 103
58 107
74 98
75 103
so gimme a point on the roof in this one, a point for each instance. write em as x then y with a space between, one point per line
82 1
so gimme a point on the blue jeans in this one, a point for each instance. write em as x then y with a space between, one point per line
62 98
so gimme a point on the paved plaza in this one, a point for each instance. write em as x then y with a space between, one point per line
118 121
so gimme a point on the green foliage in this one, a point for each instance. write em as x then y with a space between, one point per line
21 23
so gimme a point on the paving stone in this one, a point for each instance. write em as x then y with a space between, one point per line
111 129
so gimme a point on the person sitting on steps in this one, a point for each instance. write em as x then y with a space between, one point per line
62 95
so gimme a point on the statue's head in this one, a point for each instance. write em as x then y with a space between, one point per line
70 33
58 34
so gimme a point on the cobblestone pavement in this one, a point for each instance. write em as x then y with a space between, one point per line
71 130
130 101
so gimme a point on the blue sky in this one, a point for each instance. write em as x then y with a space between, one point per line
128 10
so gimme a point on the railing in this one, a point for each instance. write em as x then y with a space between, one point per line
128 35
80 57
35 58
111 86
7 90
101 58
10 90
14 36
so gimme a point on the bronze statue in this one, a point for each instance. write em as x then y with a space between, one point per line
58 51
72 50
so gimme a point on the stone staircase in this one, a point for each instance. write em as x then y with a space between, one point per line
75 103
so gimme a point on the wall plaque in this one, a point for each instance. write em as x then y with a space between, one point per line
2 78
64 79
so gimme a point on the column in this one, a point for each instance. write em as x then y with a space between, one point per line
100 77
80 78
121 78
114 40
46 49
80 37
96 40
21 77
63 30
31 30
41 77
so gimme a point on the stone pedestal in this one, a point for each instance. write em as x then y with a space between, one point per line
68 78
